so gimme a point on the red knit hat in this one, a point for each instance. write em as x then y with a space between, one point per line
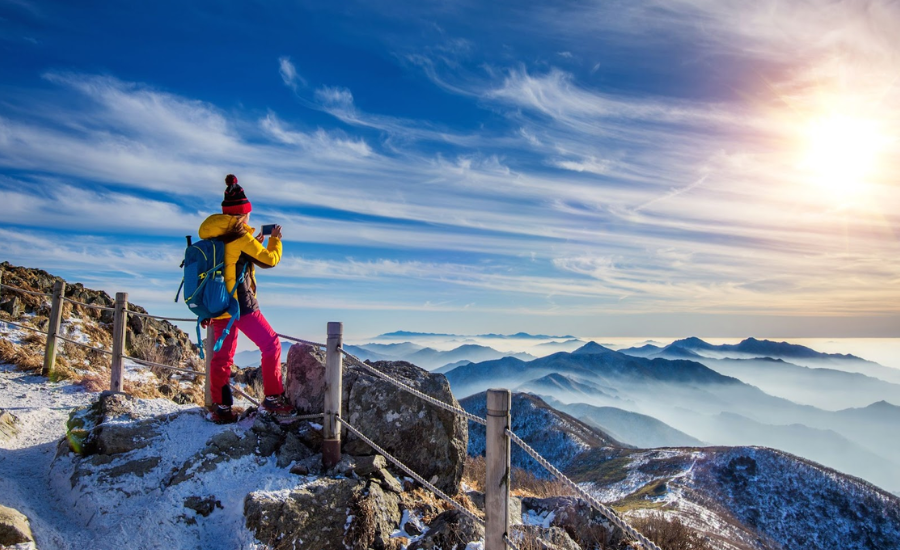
235 202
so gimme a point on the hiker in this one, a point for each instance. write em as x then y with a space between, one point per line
243 253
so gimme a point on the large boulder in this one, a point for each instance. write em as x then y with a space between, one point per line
14 528
109 426
328 514
428 439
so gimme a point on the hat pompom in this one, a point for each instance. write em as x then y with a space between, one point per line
230 179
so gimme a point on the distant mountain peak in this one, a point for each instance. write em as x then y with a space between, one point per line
591 348
692 343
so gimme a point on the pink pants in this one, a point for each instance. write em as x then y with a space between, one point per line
255 327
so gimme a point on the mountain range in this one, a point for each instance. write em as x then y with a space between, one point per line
740 498
702 404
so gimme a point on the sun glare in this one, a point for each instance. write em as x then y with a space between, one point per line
841 153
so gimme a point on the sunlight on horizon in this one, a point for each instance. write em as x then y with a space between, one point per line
841 155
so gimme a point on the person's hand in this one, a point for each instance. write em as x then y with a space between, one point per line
260 237
276 232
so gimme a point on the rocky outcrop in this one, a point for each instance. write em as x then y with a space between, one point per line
170 339
14 528
392 417
328 514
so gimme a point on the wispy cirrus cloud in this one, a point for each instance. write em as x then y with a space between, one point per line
289 73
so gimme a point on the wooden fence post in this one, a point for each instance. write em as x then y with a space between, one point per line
208 353
56 307
120 323
496 489
334 364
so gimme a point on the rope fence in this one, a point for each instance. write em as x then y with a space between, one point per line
456 410
22 290
607 512
300 341
148 316
89 306
23 326
466 512
83 345
162 366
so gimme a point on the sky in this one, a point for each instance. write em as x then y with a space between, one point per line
717 168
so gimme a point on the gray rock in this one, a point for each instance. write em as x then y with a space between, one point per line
9 428
14 527
139 468
110 439
389 482
203 506
376 515
270 434
345 467
12 305
392 417
368 465
225 445
305 378
448 530
293 450
312 517
309 466
107 427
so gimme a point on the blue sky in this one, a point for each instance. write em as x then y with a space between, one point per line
687 167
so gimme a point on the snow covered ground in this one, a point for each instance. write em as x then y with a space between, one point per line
133 512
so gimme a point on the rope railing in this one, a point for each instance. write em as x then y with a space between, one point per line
44 332
300 341
461 412
32 292
148 316
83 345
606 511
147 363
466 512
89 306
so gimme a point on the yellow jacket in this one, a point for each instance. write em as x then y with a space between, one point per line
222 226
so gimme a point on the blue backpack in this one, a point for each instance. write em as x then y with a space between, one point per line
204 287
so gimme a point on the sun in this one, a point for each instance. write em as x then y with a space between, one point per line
841 153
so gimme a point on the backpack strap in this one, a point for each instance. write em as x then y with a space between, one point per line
177 292
200 340
234 309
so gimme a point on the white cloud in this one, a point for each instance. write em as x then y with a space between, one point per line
335 97
289 73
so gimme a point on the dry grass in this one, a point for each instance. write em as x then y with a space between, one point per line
523 482
528 537
429 505
670 534
26 357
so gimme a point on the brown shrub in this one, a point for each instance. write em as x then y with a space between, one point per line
94 383
670 534
523 482
26 357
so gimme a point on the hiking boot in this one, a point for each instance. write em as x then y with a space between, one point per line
277 405
223 415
